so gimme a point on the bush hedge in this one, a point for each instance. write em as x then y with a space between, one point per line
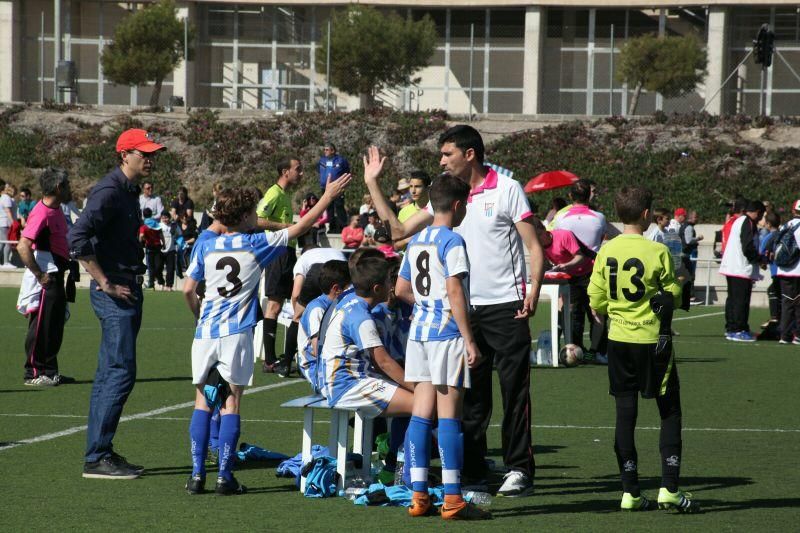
695 161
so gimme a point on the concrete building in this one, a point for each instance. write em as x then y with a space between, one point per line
493 56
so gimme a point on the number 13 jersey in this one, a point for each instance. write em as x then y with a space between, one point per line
628 271
433 255
231 266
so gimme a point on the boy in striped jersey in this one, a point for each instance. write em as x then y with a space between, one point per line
334 278
440 348
231 265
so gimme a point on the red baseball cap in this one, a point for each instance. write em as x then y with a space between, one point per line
135 139
680 212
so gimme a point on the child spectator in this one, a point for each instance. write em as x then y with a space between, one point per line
441 348
661 219
633 282
222 352
152 239
772 221
369 229
170 231
352 235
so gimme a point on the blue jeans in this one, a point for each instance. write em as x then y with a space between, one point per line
116 367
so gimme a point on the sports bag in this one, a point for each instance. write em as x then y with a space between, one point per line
785 250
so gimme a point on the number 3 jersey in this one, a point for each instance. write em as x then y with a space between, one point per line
231 266
433 255
628 271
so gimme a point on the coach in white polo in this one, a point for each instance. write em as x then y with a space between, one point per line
495 229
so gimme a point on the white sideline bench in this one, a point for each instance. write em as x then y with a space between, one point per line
337 436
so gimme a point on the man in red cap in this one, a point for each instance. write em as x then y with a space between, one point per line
680 218
105 241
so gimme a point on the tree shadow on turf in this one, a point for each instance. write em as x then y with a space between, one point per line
9 391
684 360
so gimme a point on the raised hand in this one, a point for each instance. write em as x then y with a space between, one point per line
373 164
334 188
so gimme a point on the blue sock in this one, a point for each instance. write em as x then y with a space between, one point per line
214 438
451 450
397 436
229 427
198 435
418 453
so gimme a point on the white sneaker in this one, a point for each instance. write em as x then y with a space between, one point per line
7 266
515 483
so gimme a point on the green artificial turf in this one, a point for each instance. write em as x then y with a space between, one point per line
741 441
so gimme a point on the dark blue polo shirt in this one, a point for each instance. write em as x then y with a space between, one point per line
108 227
333 166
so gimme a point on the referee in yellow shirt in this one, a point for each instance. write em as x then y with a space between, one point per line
275 213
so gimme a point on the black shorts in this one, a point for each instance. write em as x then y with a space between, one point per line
278 278
311 288
637 368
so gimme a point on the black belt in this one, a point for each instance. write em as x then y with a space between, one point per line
127 276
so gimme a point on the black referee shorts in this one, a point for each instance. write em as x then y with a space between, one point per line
278 279
641 368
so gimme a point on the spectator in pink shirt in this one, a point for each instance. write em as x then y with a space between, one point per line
567 254
44 251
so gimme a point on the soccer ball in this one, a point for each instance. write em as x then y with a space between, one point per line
570 355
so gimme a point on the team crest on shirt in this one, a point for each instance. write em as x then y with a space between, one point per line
488 209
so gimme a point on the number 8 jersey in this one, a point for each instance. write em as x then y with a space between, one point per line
433 255
231 266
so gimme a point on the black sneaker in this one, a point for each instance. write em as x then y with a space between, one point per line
229 487
123 461
196 484
109 468
61 379
284 370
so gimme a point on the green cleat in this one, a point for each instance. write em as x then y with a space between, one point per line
630 503
680 501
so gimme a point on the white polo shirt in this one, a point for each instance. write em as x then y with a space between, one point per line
496 252
315 256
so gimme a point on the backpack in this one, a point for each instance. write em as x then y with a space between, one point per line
785 250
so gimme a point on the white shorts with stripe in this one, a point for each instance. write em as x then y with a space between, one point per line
441 362
371 396
234 353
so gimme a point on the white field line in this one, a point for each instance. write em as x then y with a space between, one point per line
137 416
535 426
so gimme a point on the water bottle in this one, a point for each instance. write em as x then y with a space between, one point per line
351 493
398 470
477 497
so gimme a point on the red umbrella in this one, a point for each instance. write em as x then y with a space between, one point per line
554 179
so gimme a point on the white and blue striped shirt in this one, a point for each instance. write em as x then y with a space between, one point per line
433 255
345 354
231 267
